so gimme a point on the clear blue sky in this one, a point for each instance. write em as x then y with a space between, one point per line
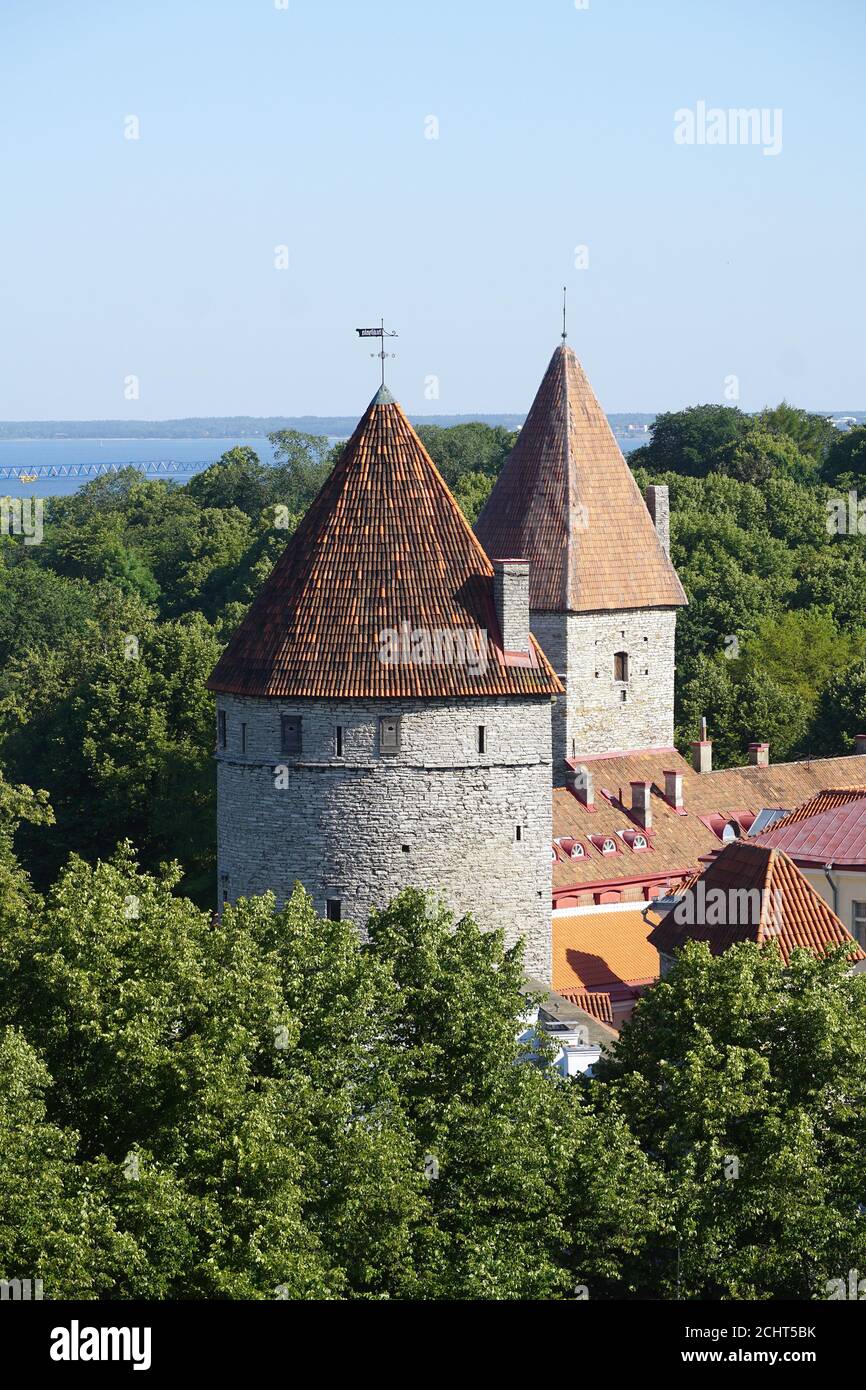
306 127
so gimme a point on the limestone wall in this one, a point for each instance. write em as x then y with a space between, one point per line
600 714
438 814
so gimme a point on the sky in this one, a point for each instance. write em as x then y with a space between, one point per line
302 167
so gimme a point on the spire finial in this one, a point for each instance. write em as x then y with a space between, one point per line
379 332
564 332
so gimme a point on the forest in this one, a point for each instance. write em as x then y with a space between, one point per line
258 1106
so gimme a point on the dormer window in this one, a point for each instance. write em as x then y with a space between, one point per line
639 842
608 846
620 666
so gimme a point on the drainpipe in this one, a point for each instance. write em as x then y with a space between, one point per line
834 885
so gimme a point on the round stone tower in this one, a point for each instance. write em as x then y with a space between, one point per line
383 714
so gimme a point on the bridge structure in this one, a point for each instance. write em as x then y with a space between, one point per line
31 473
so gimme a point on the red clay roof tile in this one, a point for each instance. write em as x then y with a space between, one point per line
384 544
566 500
764 897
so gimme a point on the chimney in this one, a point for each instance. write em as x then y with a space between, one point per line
511 600
581 784
860 743
658 506
674 789
641 810
702 755
759 754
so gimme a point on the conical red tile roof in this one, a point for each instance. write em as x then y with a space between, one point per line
783 907
566 501
384 547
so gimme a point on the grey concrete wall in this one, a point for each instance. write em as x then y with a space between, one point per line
593 717
437 815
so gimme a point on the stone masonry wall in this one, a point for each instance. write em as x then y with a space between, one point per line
593 717
436 815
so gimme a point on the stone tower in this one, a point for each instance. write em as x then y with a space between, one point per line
603 592
383 713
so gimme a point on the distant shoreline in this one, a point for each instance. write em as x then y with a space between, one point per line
245 426
259 427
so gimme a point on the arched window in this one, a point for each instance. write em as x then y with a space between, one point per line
576 850
731 831
639 842
608 846
620 666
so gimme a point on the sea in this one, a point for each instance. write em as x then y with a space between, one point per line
25 456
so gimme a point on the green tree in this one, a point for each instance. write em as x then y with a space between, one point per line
841 711
117 726
729 1075
458 450
690 441
812 434
845 463
54 1226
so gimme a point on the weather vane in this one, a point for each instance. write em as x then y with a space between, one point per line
382 333
564 334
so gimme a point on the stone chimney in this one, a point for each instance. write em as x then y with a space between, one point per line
674 789
658 506
759 754
511 600
860 743
581 785
641 810
702 755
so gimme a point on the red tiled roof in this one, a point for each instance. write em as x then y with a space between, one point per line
384 544
836 835
677 841
566 500
593 1001
763 897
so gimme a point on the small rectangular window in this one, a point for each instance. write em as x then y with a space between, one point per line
518 833
243 738
334 909
338 741
291 734
389 734
482 739
221 728
620 666
858 925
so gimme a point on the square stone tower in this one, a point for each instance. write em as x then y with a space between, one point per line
603 592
